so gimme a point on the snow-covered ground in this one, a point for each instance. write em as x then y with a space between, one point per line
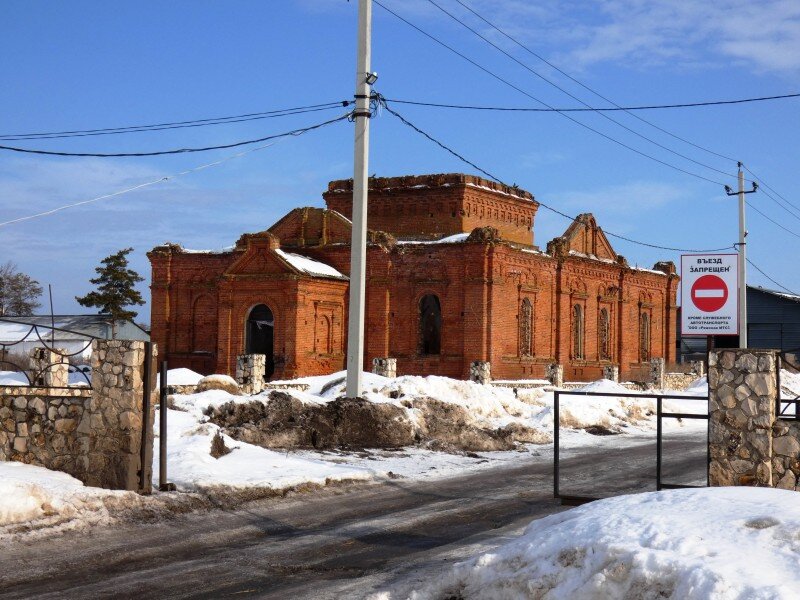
34 495
33 498
720 543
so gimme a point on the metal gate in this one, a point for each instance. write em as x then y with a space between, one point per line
659 454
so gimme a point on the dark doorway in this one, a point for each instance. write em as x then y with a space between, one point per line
260 336
430 321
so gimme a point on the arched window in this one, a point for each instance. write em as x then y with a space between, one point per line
526 328
604 335
260 330
430 324
644 337
577 331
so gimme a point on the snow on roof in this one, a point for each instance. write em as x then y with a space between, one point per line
786 295
309 265
450 239
218 251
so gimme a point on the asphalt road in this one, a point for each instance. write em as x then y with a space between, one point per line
339 543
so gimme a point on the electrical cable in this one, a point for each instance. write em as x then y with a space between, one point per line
764 184
590 109
294 132
593 91
773 221
550 208
511 85
755 266
574 97
152 182
177 124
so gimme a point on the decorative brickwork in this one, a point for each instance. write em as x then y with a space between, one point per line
502 300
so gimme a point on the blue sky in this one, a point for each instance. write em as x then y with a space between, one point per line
82 65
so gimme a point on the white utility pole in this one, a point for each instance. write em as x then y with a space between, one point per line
742 257
358 243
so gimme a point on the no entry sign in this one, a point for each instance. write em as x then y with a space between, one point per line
709 299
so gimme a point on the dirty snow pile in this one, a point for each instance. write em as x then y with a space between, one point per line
34 497
721 543
192 468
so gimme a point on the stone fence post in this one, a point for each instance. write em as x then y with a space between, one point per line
699 367
114 425
50 368
386 367
250 372
742 412
480 371
657 372
611 372
555 373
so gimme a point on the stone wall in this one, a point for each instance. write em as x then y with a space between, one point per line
386 367
742 399
94 434
480 371
38 426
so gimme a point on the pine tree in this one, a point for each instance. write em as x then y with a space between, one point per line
115 287
18 292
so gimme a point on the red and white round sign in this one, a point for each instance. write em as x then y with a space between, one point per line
709 293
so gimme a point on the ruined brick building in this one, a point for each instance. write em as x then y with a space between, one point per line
453 276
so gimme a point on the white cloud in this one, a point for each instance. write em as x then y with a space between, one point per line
623 199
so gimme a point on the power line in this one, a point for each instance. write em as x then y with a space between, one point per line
773 221
764 184
520 90
177 124
294 132
550 208
586 87
755 266
574 97
146 184
591 109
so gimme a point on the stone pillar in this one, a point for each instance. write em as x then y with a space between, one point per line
480 371
250 371
742 397
386 367
114 425
555 373
611 372
698 366
657 371
49 368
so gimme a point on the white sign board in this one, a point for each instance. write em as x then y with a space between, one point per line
710 294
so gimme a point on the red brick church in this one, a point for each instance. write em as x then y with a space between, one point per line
453 276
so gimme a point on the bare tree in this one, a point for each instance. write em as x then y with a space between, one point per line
19 293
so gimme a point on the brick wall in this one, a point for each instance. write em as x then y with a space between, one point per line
434 206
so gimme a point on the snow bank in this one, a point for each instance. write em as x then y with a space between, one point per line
722 543
180 376
31 495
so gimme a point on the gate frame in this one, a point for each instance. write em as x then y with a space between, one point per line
660 414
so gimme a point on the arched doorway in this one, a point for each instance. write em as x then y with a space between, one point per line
260 336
